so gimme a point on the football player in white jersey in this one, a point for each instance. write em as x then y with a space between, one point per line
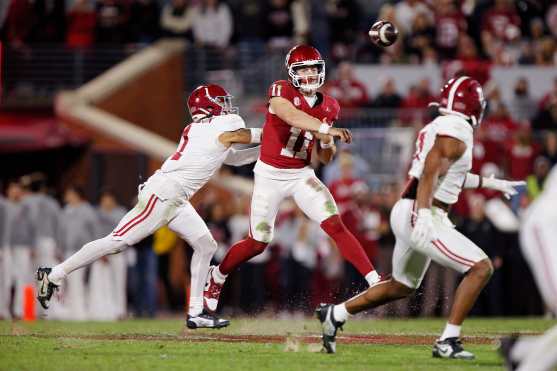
205 145
537 241
440 170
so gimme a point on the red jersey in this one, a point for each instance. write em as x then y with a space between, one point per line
287 147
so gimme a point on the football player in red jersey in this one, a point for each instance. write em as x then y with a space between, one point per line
297 116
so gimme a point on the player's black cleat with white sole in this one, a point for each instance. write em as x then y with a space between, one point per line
451 348
330 325
45 288
507 344
206 320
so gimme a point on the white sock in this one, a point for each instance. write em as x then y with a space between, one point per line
90 252
203 250
340 313
451 331
218 276
372 278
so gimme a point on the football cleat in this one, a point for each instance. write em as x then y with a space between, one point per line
324 313
507 344
211 293
45 288
451 348
206 320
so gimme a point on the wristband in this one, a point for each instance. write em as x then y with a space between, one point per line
324 128
326 145
255 135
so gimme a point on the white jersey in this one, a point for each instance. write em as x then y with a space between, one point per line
449 185
199 155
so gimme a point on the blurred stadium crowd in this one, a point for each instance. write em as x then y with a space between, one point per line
478 32
517 139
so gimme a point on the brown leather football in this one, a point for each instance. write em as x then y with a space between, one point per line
383 33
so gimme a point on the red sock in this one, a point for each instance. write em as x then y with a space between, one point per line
348 245
241 252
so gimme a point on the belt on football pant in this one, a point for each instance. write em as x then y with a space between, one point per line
411 191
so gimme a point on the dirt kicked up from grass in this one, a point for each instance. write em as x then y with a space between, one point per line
248 344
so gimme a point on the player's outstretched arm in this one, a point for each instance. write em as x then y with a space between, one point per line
287 112
241 157
507 187
445 151
240 136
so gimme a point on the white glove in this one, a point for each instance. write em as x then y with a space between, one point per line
507 187
423 232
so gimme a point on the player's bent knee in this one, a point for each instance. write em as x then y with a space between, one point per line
400 290
483 269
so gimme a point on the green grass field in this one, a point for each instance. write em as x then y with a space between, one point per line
248 344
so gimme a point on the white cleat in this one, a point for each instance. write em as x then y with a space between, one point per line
451 348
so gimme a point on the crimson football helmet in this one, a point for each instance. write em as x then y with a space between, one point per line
305 56
210 100
463 96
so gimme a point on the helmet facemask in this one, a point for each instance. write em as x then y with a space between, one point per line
308 83
225 102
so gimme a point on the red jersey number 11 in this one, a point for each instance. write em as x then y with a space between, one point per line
290 150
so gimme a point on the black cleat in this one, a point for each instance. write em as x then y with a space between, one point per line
324 313
451 348
507 344
206 320
45 288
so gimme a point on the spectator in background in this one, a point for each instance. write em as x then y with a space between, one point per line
388 97
481 231
551 19
248 30
549 150
21 242
81 24
284 23
523 105
145 277
421 38
176 19
347 185
545 54
500 25
406 13
49 25
17 27
341 15
520 154
468 62
415 103
535 182
499 129
278 24
144 21
5 260
212 24
107 277
252 296
546 119
302 245
346 89
450 24
79 225
111 22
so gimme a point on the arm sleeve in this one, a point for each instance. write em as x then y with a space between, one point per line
240 157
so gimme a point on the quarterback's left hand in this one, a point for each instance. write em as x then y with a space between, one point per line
423 232
507 187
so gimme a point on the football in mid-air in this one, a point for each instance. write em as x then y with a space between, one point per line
383 33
